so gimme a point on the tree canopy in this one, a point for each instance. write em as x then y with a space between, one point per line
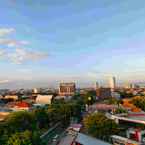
99 126
25 127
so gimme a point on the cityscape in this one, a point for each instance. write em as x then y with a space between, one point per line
72 72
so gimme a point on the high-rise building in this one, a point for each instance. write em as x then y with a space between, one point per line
97 85
112 83
103 93
35 91
67 89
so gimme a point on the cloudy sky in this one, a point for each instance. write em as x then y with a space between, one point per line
43 42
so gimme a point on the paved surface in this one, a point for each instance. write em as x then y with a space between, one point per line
67 140
49 139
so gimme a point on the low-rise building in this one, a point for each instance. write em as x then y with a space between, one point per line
44 99
14 97
17 106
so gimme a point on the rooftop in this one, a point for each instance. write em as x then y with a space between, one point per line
87 140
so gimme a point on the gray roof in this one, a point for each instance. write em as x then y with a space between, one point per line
87 140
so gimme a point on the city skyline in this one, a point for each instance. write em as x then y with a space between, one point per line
45 42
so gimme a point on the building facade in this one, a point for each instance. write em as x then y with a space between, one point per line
67 89
112 83
103 93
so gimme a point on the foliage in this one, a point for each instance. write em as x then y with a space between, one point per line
113 101
23 138
65 111
139 102
20 121
89 98
42 118
120 110
21 128
126 95
98 125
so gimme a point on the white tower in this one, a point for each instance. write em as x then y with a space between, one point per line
96 85
35 91
112 83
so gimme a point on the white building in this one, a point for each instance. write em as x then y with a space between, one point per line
44 99
112 83
96 85
35 91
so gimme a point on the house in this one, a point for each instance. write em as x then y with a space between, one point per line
44 99
17 106
22 106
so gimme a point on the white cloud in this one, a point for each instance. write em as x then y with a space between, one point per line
13 43
21 55
6 31
2 52
17 55
4 81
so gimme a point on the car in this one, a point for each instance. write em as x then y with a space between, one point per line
55 138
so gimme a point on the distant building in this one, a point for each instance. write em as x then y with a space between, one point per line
112 83
132 86
21 106
103 93
4 112
35 90
18 106
44 99
14 97
97 85
116 95
4 91
67 89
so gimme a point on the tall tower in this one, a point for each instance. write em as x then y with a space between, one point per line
112 83
97 85
35 91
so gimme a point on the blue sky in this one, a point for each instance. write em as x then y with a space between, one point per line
47 41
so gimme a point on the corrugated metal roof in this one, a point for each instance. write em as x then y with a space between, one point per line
87 140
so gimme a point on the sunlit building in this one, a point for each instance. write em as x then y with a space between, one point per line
67 89
112 83
44 99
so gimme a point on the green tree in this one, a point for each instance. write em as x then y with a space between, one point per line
89 98
124 94
20 139
99 126
120 110
139 102
24 138
20 121
42 118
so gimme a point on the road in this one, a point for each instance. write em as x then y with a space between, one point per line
67 140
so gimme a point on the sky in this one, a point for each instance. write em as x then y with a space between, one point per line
44 42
